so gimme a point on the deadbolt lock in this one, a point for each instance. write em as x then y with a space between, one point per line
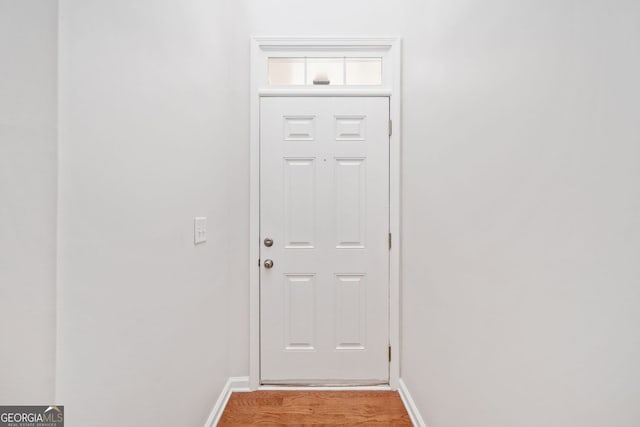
268 242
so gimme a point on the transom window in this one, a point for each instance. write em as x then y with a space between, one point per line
332 71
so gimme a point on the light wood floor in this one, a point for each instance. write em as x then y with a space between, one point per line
353 408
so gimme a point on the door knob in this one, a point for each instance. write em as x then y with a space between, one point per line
268 242
268 263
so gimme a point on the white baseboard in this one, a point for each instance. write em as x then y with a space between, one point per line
233 384
412 409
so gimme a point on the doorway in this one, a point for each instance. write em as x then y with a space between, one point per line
324 212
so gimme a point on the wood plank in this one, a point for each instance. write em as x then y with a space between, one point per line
352 408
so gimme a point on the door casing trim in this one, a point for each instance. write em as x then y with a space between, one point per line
391 87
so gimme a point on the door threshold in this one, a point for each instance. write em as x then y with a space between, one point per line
325 387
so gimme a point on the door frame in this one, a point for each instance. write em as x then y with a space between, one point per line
389 49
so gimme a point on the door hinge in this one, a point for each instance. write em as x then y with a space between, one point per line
389 241
390 127
389 353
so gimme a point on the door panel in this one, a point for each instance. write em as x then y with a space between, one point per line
349 200
299 203
324 201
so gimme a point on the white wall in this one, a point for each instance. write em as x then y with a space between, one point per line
147 142
27 200
522 213
521 204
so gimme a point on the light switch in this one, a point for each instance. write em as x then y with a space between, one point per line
199 229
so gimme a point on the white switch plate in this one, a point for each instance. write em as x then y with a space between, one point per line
199 229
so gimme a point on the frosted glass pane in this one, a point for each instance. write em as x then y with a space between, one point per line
286 71
364 71
321 70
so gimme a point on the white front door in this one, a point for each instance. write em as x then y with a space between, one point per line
324 203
